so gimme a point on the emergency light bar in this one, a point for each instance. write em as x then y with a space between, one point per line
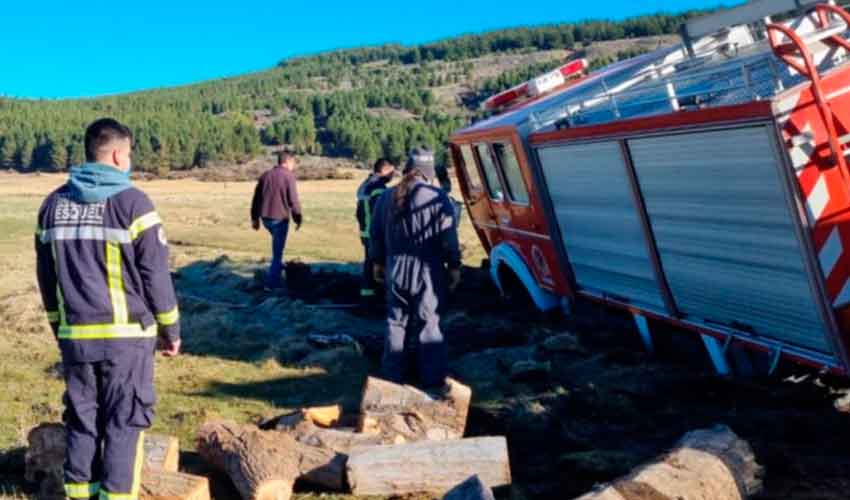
538 86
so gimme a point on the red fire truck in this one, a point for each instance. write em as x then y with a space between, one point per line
704 185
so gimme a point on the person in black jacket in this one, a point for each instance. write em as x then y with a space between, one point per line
416 252
368 193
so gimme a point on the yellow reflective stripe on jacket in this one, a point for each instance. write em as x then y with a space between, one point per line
144 223
81 490
53 316
137 475
60 299
115 280
168 318
105 332
368 216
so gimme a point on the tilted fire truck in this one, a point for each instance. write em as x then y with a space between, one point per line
704 185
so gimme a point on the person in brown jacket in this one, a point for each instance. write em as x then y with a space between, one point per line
275 203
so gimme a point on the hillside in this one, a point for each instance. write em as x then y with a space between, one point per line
351 104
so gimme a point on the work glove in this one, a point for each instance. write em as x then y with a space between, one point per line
255 224
297 219
379 273
454 279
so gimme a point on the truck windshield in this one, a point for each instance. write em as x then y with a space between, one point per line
491 174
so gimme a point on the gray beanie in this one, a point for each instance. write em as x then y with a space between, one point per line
421 159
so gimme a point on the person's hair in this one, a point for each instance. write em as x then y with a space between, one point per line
380 164
103 132
405 188
284 156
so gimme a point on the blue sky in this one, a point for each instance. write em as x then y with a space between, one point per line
69 48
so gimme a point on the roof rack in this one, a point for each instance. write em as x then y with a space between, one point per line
751 12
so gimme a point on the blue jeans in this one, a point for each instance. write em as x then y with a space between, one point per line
279 229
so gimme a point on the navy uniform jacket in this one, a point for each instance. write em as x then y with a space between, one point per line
103 274
367 198
422 234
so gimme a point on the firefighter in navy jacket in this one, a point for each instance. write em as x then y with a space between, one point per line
102 263
367 197
416 252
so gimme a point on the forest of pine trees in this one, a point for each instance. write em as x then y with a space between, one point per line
319 104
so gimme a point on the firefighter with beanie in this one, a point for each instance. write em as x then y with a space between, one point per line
416 253
368 193
102 266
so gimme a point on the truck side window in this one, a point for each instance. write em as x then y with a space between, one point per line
470 169
517 190
491 174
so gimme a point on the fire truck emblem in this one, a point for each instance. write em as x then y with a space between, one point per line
541 265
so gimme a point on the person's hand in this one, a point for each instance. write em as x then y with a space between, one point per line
169 348
379 273
297 219
255 224
454 279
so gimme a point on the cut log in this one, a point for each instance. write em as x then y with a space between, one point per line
169 485
265 464
708 464
324 416
160 479
471 489
401 413
338 440
162 452
427 466
46 451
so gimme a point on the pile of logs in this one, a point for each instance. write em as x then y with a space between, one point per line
405 441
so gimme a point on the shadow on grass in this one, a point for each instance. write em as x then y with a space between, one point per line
334 376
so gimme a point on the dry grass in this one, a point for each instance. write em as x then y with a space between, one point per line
236 363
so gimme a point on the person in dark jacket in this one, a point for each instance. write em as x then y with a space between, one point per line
368 193
275 202
416 253
102 267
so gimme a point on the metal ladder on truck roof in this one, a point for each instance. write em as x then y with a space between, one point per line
796 52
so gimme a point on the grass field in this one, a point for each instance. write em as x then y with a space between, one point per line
231 367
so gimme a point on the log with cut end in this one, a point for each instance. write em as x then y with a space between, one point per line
707 464
265 464
427 466
169 485
324 416
471 489
46 451
401 413
339 440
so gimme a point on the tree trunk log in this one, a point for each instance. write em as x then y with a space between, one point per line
471 489
707 464
168 485
338 440
162 452
261 461
260 468
427 466
401 413
46 451
160 479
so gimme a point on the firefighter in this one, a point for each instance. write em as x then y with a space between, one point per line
368 193
416 253
102 266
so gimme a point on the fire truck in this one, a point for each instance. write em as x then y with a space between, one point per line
703 185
